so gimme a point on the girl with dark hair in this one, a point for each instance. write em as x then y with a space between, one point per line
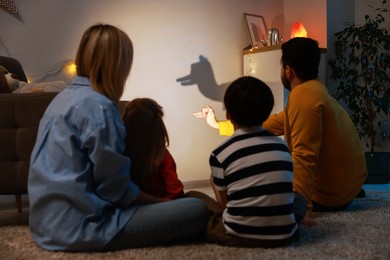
153 168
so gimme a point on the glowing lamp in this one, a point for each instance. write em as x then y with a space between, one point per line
298 30
70 69
66 67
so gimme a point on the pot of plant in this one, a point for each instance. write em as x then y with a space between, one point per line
361 67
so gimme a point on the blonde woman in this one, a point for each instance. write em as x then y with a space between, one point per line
80 193
153 168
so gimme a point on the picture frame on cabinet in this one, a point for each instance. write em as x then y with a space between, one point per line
257 29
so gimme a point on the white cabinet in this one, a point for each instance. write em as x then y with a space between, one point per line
264 64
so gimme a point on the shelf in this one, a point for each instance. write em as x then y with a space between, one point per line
271 48
262 49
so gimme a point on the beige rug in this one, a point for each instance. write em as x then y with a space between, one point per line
363 232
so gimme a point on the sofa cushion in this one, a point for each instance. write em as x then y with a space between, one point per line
19 119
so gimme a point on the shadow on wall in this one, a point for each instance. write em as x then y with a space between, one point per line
202 75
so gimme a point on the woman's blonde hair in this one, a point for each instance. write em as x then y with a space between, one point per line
105 56
146 139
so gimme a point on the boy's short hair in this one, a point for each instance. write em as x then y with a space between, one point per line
249 101
303 56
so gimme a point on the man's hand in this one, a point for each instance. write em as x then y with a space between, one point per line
208 114
202 113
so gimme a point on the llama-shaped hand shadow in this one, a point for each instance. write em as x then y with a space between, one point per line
202 75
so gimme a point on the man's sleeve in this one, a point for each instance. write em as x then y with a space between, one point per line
275 123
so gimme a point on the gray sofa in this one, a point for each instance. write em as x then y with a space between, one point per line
19 119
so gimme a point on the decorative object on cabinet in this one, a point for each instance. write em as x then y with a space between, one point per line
274 38
298 30
257 29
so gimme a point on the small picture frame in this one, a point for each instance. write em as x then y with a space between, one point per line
257 29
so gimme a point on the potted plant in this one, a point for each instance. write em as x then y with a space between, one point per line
361 68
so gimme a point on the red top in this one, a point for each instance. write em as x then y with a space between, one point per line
166 184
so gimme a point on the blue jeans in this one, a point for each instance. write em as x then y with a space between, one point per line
162 223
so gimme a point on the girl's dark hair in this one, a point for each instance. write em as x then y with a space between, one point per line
303 56
249 101
146 139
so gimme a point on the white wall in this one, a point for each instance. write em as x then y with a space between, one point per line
169 37
338 13
349 11
362 8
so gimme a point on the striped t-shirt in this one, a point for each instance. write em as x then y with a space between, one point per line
255 167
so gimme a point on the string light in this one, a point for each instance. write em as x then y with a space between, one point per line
70 69
251 70
67 67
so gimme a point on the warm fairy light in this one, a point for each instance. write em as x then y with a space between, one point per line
298 30
70 69
66 68
251 70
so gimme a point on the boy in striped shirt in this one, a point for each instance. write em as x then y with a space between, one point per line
251 175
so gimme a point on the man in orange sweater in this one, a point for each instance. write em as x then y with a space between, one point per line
329 163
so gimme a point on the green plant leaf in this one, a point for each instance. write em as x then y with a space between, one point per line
361 67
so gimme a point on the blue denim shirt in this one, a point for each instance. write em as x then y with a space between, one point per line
79 188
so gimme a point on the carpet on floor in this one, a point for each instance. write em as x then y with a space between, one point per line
362 232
